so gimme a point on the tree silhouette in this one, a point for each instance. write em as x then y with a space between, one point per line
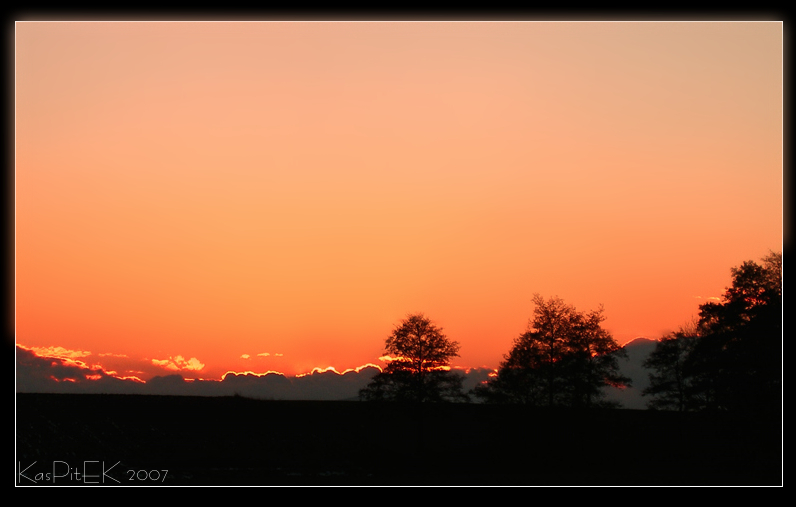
737 363
731 359
564 358
671 384
419 369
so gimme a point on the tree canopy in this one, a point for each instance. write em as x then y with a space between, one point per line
419 367
565 358
733 359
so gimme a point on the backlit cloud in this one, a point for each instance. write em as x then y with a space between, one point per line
194 364
178 363
110 354
35 373
59 352
110 363
711 298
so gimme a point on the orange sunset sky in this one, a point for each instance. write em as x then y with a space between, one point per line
203 197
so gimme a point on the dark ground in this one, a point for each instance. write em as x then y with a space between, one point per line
139 440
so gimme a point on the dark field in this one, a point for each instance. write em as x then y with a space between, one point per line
172 440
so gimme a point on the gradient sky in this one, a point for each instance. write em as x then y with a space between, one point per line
196 192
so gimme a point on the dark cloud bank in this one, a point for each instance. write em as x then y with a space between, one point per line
52 375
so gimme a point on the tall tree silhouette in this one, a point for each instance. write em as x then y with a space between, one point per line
564 358
737 363
419 367
732 358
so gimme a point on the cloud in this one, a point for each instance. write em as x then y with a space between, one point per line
245 356
194 364
162 362
59 352
68 356
110 354
112 364
35 374
178 363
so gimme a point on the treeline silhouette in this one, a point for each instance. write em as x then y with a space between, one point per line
536 425
728 359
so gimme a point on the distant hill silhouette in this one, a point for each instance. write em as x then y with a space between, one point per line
637 351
